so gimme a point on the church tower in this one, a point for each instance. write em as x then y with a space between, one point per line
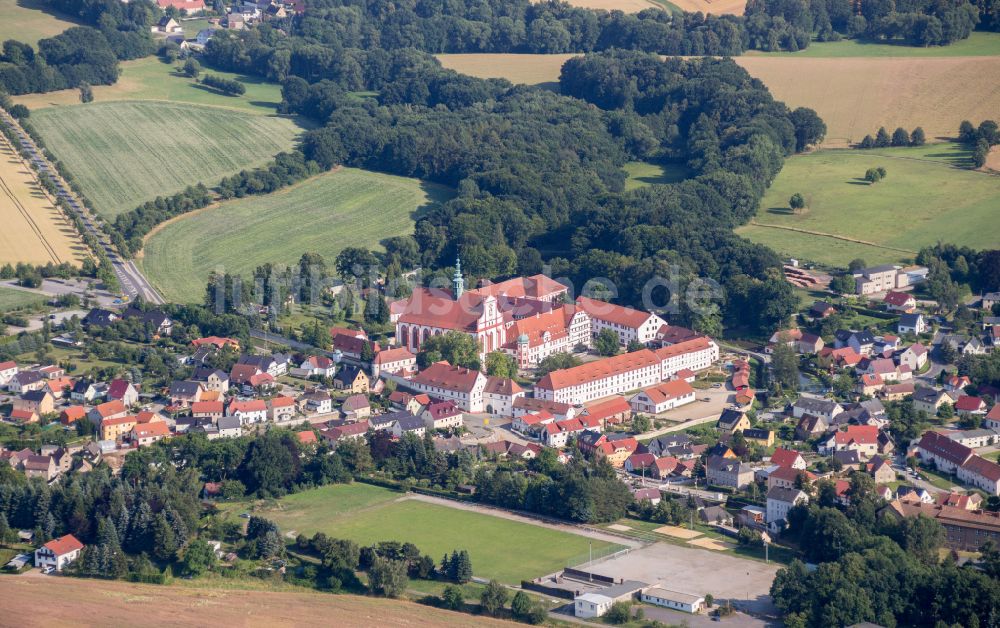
458 280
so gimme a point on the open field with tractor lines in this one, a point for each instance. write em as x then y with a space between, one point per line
854 96
926 197
325 214
125 153
32 228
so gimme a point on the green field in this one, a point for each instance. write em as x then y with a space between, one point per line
335 210
26 21
152 78
125 153
979 44
642 173
506 550
14 299
924 199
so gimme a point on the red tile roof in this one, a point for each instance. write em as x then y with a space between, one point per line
666 391
215 340
24 416
617 314
64 545
307 437
398 354
688 346
967 403
254 405
6 366
118 388
206 407
608 408
598 369
861 434
983 468
897 299
944 447
444 375
282 402
534 287
784 457
503 386
148 430
73 413
788 474
443 312
110 407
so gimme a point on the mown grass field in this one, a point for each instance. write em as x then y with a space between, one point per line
125 153
26 21
641 173
924 199
13 299
151 78
854 96
89 602
32 229
323 215
499 548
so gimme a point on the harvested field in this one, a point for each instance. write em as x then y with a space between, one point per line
30 20
125 153
854 96
628 6
713 7
33 229
103 603
716 7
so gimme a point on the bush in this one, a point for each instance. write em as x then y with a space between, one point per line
452 598
619 613
224 85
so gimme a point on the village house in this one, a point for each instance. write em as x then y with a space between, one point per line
914 356
253 411
843 357
913 324
780 500
860 438
384 422
728 472
612 411
107 410
615 448
37 466
230 427
212 410
530 424
397 361
787 477
968 405
37 401
148 433
663 397
7 372
117 428
123 390
58 553
356 407
810 426
826 409
981 473
87 391
881 470
400 400
863 342
72 414
156 320
442 416
957 383
408 425
941 452
500 396
352 379
315 366
992 420
348 431
930 400
732 421
317 402
281 408
764 438
23 417
899 301
183 394
25 381
629 324
446 382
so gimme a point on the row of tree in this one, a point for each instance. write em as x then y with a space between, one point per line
900 137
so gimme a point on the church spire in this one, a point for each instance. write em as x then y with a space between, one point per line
458 280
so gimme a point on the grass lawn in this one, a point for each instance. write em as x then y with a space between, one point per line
30 20
152 78
642 173
924 199
499 548
125 153
323 215
12 299
978 44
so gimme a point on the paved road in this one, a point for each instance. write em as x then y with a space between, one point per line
132 281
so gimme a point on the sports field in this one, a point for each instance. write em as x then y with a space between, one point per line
14 299
854 96
125 153
151 78
924 199
500 548
26 21
323 215
32 229
75 602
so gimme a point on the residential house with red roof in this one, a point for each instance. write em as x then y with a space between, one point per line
58 553
982 473
307 437
123 390
957 383
663 397
992 420
630 324
213 410
944 453
315 366
23 416
397 361
281 408
442 415
532 423
146 434
72 414
253 411
346 431
446 382
788 477
616 449
500 395
8 370
788 458
217 342
118 427
914 356
356 407
107 410
860 438
612 411
968 404
899 301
